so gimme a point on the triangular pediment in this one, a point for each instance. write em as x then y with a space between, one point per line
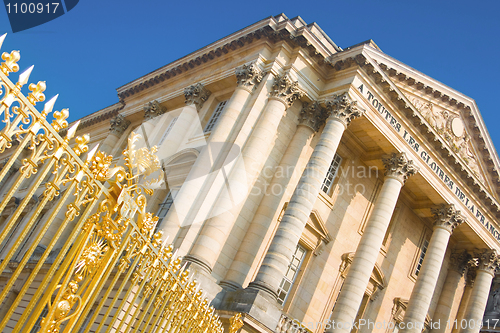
457 132
450 126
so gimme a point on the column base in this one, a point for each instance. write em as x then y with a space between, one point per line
201 265
229 285
257 303
205 280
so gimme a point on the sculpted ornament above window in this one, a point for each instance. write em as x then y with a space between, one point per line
452 128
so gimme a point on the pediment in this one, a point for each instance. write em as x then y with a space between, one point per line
397 80
315 233
451 127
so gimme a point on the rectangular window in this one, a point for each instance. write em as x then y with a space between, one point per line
169 128
422 256
331 174
215 116
164 208
291 273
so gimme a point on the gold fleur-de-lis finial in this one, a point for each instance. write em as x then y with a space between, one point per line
10 62
60 119
36 95
81 144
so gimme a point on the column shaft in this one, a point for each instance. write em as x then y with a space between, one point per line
268 207
287 236
215 231
463 306
443 313
445 303
353 289
488 262
422 293
477 301
185 198
109 143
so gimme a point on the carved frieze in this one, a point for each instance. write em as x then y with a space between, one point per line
286 90
153 109
343 108
196 95
397 165
118 124
248 75
452 128
448 217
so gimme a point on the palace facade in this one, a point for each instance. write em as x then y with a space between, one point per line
314 188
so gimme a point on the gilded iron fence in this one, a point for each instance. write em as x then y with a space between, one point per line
77 248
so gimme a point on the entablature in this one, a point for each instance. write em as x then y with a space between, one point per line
357 57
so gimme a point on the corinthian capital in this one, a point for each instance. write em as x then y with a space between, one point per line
312 115
448 217
459 261
487 260
248 75
118 124
286 90
342 108
153 109
196 94
398 166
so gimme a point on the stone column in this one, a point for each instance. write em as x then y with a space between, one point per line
342 110
456 269
488 262
398 169
310 119
447 218
213 235
470 277
118 125
195 96
248 76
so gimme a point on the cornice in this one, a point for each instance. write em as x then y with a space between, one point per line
274 29
97 117
355 57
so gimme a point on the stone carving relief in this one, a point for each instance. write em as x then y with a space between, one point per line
452 128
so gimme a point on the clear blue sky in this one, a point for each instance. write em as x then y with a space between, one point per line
99 46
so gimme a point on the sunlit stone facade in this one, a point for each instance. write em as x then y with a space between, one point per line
312 184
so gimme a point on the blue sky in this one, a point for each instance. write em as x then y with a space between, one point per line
99 46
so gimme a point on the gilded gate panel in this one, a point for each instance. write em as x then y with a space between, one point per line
83 257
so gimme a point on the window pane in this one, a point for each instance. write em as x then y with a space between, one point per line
288 279
215 116
421 258
331 174
169 128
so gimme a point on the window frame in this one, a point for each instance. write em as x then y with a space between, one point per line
337 160
214 118
295 278
167 131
